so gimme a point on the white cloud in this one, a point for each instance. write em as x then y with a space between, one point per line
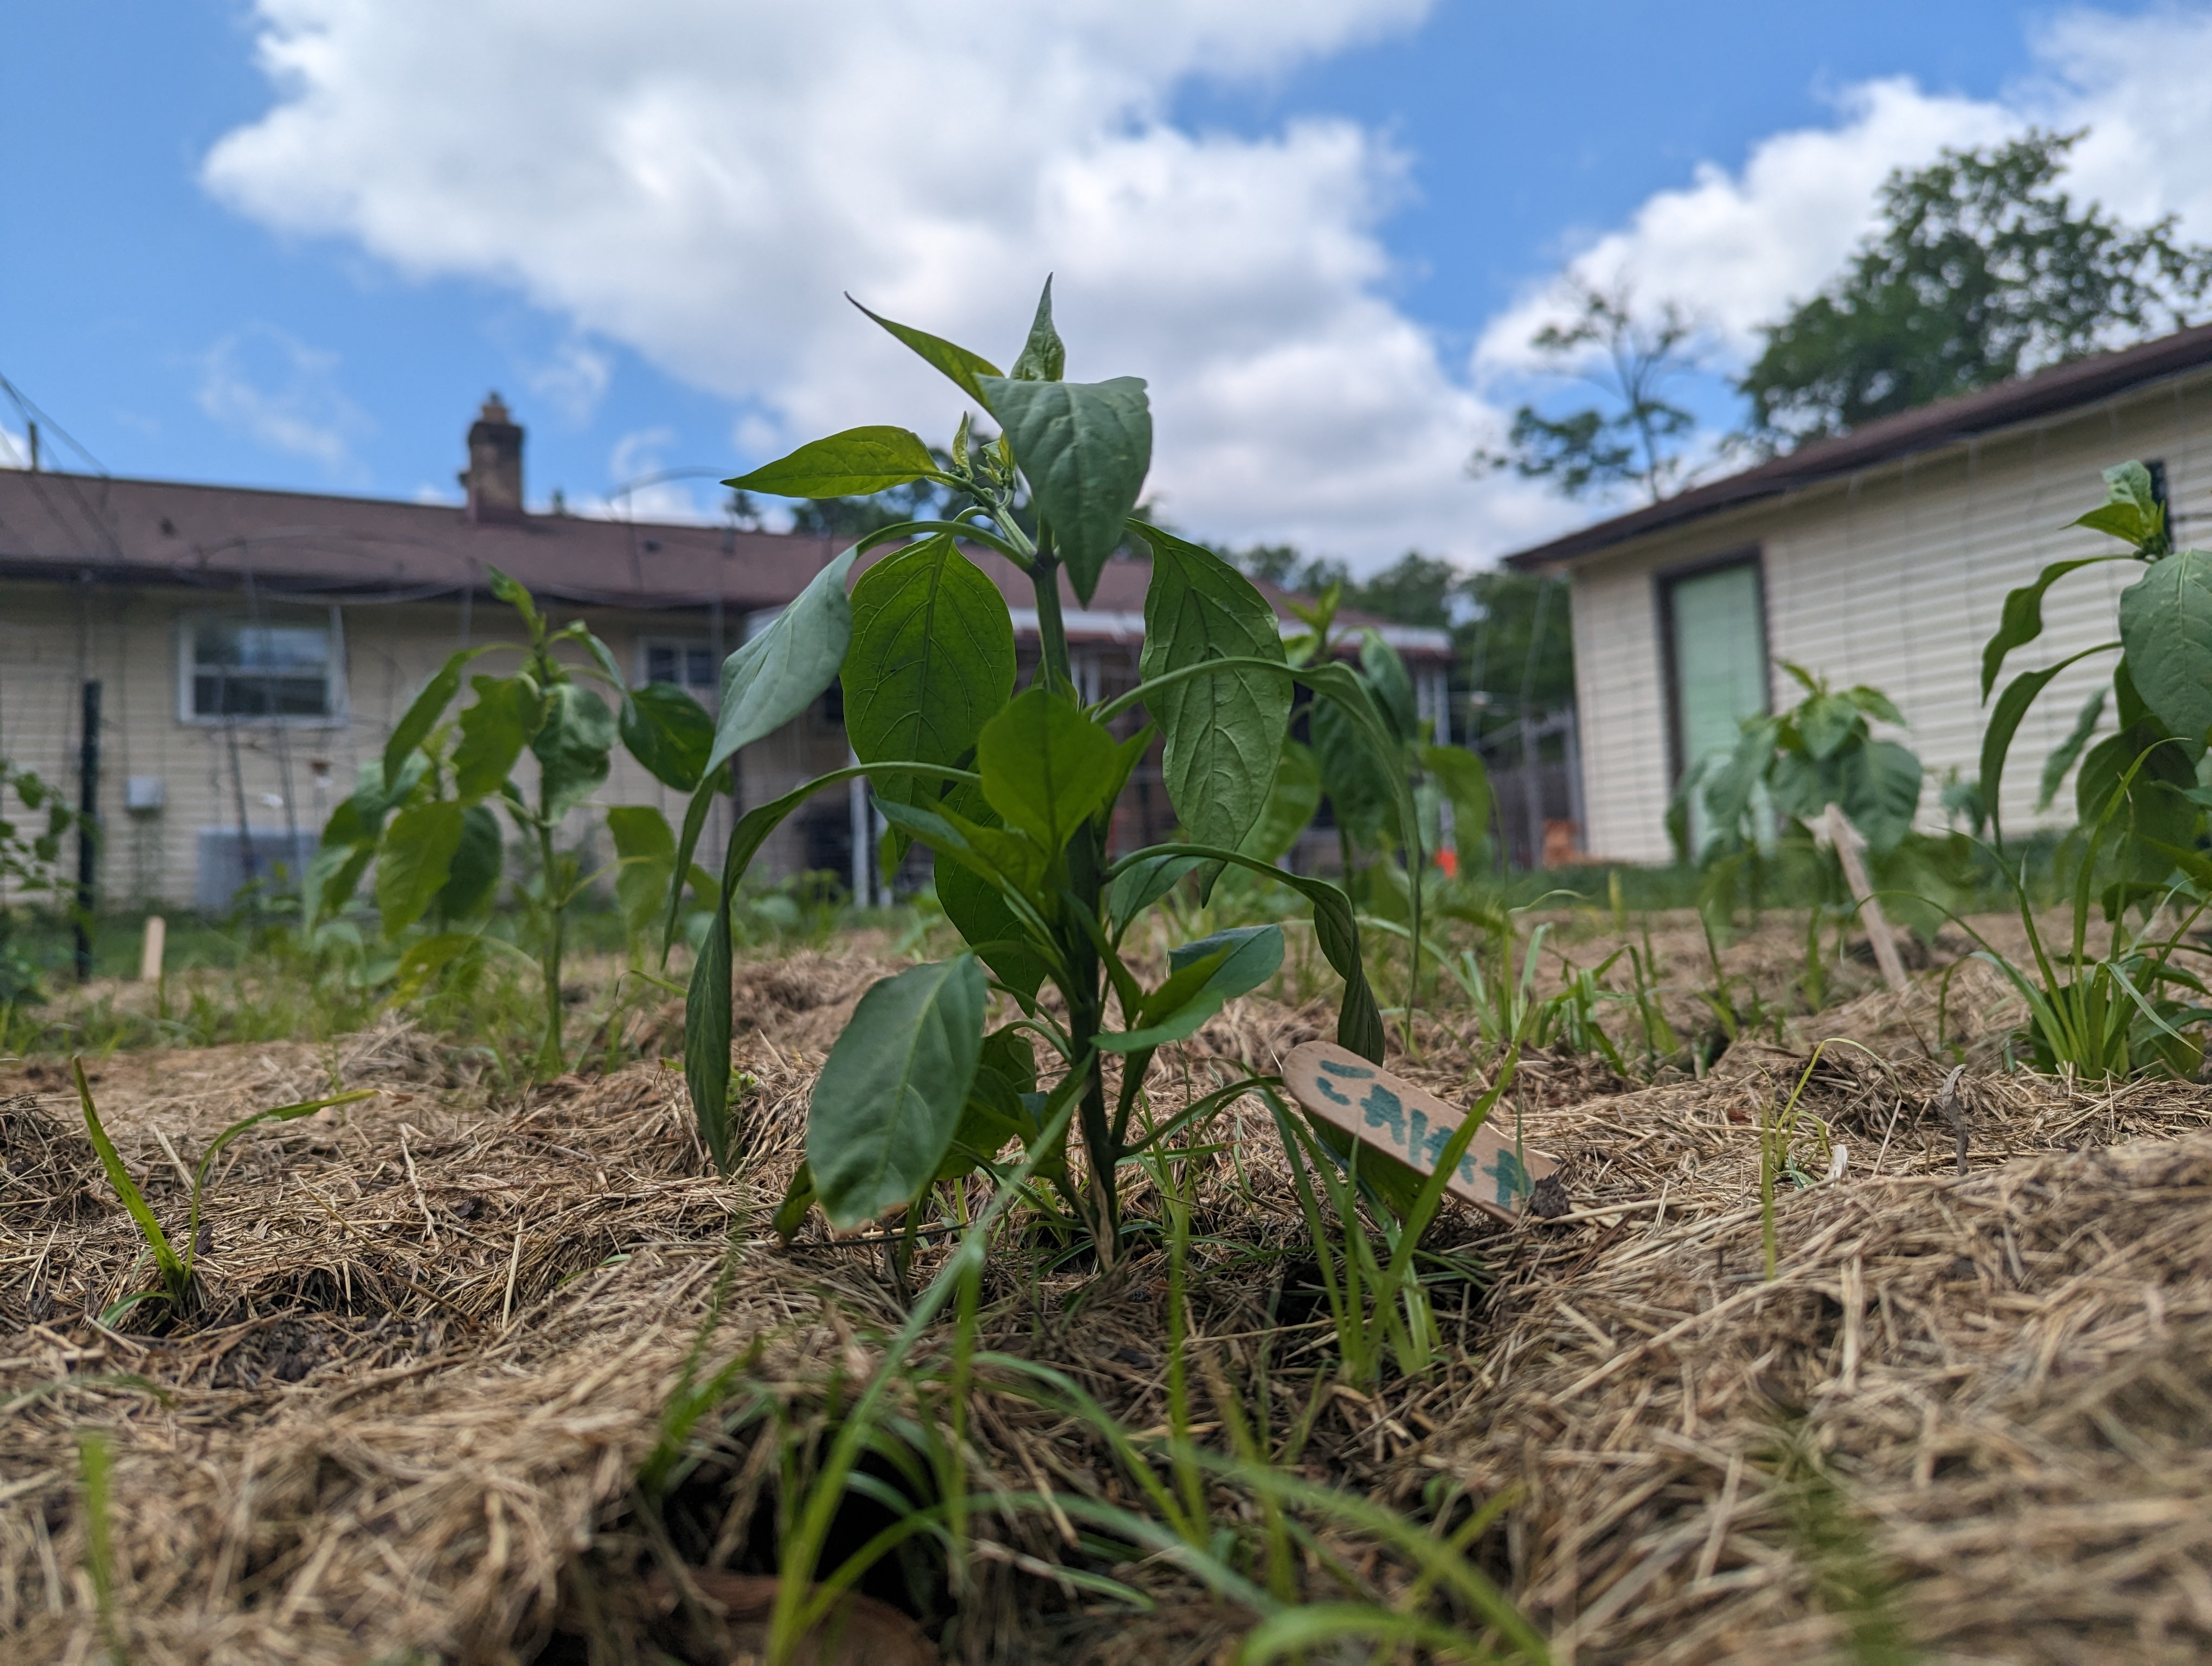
573 379
700 182
1739 248
266 383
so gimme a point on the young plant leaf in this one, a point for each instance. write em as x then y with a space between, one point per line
1224 733
494 728
2021 621
783 670
1391 685
889 1098
423 714
173 1275
472 877
2004 722
964 369
2067 752
857 463
931 660
1466 785
518 597
646 846
415 862
1227 964
1084 447
1043 356
1880 784
1047 768
2165 622
1142 884
669 733
1292 803
571 745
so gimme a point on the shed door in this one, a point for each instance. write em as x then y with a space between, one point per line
1719 654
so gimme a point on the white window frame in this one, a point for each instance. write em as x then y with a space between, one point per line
340 712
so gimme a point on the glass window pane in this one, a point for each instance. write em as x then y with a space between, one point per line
660 663
241 669
699 667
1720 665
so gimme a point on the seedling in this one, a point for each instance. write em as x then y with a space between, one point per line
176 1270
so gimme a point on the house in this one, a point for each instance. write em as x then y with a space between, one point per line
1881 557
240 654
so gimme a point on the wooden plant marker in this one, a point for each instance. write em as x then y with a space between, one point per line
1413 1125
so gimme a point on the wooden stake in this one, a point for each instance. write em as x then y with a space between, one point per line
150 951
1845 838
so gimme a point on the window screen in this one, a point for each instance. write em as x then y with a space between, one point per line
240 668
688 665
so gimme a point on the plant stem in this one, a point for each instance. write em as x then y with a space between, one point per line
549 1053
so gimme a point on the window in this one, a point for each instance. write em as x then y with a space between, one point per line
266 670
692 667
1713 621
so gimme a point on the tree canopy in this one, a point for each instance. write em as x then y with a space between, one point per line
1982 269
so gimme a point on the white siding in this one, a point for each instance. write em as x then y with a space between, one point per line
1894 578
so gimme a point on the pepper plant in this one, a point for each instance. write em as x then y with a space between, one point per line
1014 793
425 812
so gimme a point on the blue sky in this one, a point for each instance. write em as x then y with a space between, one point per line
450 212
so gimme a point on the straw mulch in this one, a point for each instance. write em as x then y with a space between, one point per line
436 1331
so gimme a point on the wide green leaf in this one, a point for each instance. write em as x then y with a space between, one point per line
669 733
1466 784
415 861
988 925
1356 773
1085 448
2004 722
645 846
2131 510
1292 802
1223 734
571 745
473 877
2166 621
931 660
1228 964
494 728
1390 683
889 1098
1043 356
857 463
1047 767
1142 884
784 669
421 716
2021 621
1880 791
964 369
1825 722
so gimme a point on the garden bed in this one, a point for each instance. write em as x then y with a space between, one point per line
436 1331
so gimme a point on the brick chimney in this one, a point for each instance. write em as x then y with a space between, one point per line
494 476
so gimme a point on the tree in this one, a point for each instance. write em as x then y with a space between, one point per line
1981 270
1635 436
1517 650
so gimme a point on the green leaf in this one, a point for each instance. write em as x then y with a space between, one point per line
1355 773
1874 703
1085 448
669 733
494 728
1825 722
1465 786
646 846
1205 975
424 960
1142 884
517 596
783 670
2022 620
1224 733
857 463
966 369
1880 795
1047 768
421 717
1293 801
2165 622
797 1198
473 877
889 1098
172 1268
2004 722
415 861
2131 511
1043 357
931 660
988 925
571 745
2067 752
1388 681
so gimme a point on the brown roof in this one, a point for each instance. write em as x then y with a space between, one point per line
2062 387
150 532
